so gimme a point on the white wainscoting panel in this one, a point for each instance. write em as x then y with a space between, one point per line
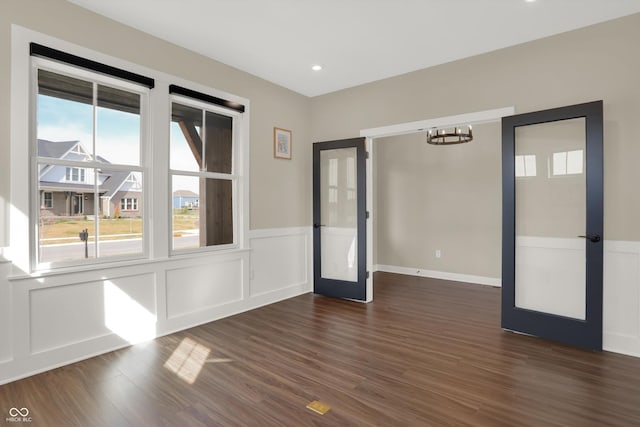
621 293
202 286
57 319
280 261
125 306
6 350
53 319
622 297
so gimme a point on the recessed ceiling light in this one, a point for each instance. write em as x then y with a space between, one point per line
530 1
316 67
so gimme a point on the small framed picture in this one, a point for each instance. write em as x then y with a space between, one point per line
282 143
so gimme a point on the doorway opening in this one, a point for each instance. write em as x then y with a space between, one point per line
402 133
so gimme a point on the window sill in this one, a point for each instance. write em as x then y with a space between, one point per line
112 265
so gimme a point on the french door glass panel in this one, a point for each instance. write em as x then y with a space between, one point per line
339 215
550 209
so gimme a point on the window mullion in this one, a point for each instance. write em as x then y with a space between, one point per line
203 138
94 158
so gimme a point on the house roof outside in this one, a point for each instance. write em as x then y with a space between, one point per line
58 149
113 182
55 149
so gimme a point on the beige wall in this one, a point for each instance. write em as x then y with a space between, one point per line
279 189
598 62
432 198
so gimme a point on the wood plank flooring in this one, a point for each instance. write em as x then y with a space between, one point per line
425 353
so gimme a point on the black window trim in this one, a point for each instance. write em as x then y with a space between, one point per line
189 93
36 49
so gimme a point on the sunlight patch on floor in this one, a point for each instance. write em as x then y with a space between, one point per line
187 360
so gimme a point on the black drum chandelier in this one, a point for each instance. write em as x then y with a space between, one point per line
449 136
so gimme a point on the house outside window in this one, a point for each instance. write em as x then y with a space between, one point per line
75 104
91 172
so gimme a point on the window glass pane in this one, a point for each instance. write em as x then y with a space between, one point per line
218 204
186 138
202 212
549 217
186 212
120 218
118 126
65 117
69 212
219 143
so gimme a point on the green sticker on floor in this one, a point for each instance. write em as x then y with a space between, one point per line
319 407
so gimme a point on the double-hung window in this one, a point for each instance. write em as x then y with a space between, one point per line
87 153
75 174
129 204
47 199
204 180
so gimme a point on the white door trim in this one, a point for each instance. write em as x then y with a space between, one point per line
478 117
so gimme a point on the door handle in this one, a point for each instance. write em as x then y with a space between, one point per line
595 238
318 225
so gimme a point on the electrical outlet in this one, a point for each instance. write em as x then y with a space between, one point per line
438 253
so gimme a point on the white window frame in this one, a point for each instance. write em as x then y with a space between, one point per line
23 205
79 166
235 175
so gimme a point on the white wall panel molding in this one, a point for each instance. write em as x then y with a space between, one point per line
53 319
281 262
622 297
6 320
443 275
124 306
279 232
621 284
203 286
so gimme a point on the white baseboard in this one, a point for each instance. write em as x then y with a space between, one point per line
443 275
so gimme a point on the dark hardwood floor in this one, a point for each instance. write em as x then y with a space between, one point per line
425 353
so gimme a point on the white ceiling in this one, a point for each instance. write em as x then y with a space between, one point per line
356 41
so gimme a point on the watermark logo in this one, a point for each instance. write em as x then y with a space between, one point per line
18 415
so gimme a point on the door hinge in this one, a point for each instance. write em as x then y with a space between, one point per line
367 274
366 154
366 215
